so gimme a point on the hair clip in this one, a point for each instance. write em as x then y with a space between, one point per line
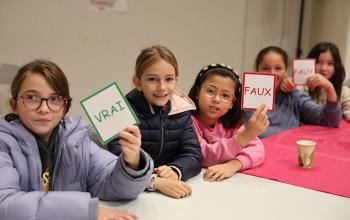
218 65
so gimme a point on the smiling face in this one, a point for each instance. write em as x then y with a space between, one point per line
215 97
42 120
157 82
325 65
273 63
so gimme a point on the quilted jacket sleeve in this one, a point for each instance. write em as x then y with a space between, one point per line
188 156
17 204
111 179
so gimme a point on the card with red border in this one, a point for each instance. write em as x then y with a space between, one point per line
302 69
258 89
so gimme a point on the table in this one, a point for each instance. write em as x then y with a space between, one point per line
239 197
331 165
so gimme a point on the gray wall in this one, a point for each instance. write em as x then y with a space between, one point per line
95 47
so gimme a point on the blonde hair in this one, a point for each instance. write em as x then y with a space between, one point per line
150 55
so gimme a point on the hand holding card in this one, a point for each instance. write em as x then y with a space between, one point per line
130 144
302 69
258 89
109 112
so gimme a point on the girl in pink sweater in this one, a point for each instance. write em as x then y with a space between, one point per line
227 145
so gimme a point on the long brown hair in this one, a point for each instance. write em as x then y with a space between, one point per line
339 70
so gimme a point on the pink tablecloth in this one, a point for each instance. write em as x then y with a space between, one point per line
331 167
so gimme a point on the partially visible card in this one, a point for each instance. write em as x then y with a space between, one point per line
302 69
109 112
258 89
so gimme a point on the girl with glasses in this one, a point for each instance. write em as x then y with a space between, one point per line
227 146
49 167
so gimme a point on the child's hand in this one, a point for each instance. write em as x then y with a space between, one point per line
259 121
222 171
113 214
288 85
318 80
256 125
173 188
130 143
166 172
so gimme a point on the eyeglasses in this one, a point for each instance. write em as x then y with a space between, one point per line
206 69
33 102
212 91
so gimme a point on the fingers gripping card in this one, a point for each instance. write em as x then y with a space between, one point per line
302 69
258 89
109 112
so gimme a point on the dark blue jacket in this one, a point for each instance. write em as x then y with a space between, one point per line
168 135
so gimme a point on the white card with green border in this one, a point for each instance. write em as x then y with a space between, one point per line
109 112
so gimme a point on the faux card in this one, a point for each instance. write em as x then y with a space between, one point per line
302 69
258 89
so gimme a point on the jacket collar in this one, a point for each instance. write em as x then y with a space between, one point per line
179 102
74 128
139 102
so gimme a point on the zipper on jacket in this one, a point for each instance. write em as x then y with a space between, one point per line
162 124
58 158
35 157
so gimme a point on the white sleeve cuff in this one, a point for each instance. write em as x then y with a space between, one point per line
150 186
177 170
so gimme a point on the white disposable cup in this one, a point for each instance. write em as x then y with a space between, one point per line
306 150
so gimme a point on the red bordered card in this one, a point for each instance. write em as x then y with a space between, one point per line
258 89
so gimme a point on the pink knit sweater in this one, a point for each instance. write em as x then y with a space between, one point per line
219 145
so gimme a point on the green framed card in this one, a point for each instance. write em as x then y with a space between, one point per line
109 112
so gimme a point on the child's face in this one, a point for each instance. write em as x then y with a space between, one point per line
273 63
42 120
215 97
157 83
325 65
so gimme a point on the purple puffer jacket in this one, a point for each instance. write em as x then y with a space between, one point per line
82 168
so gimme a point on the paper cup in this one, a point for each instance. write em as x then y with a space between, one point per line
306 153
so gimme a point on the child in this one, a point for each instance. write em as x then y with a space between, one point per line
292 109
227 146
165 122
43 153
329 72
